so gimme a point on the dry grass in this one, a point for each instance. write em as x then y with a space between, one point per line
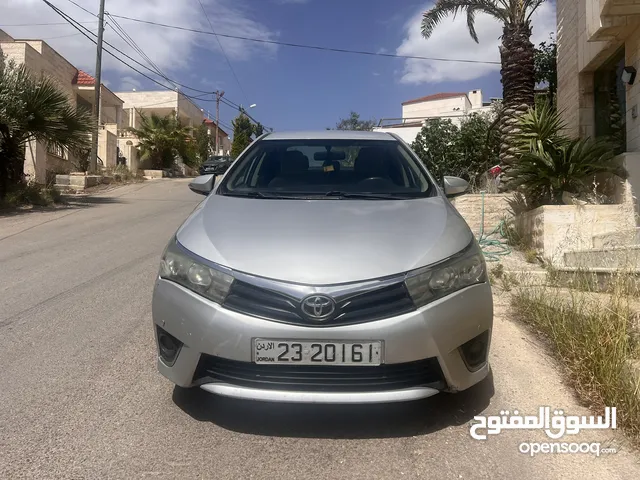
596 340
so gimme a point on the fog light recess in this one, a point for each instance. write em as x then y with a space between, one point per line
168 346
474 352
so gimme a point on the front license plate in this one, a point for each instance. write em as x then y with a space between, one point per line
316 353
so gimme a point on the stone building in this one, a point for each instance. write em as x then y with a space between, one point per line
159 102
42 162
452 106
598 93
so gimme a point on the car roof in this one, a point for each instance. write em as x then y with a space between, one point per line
329 135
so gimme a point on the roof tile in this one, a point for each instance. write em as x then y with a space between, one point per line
83 78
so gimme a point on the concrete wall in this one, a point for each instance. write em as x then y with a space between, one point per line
156 99
162 102
5 37
555 229
475 98
437 108
128 148
107 146
408 134
496 208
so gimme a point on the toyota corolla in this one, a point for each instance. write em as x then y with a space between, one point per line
324 267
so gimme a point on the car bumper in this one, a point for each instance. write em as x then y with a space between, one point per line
433 334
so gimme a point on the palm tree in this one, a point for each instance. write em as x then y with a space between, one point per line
516 54
34 108
161 139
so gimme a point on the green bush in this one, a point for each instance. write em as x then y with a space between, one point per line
550 163
31 194
468 151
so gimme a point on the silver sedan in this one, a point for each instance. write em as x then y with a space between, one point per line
324 267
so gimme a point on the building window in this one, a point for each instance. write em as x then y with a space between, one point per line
610 101
57 151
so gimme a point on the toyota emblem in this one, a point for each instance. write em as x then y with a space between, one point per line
318 307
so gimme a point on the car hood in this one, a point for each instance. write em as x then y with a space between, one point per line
322 242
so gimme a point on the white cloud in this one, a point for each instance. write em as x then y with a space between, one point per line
284 2
451 39
128 83
172 50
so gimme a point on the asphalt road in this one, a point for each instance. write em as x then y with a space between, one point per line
80 396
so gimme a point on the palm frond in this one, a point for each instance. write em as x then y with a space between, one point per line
445 8
546 173
540 128
531 7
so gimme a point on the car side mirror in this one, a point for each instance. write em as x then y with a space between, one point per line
455 186
202 184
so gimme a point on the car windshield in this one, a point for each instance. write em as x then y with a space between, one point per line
328 169
215 160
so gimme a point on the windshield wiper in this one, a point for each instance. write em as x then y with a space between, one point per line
252 194
364 195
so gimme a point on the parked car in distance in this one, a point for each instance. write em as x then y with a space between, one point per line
324 267
216 165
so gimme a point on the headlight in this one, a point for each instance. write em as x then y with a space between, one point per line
462 270
179 267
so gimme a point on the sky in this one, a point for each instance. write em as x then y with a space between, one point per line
292 88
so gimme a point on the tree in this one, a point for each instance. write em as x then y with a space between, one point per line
258 129
437 147
353 122
242 130
479 146
468 151
161 139
203 143
546 68
34 108
516 55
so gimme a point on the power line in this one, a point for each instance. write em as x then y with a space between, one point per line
222 49
82 8
196 97
72 22
312 47
131 42
157 70
61 36
173 82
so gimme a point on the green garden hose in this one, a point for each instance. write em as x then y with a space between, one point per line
493 249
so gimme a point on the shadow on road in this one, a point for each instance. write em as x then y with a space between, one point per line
71 203
337 421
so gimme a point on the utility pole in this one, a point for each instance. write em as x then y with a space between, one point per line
219 95
93 159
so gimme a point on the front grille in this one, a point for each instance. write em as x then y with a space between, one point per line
320 378
370 305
